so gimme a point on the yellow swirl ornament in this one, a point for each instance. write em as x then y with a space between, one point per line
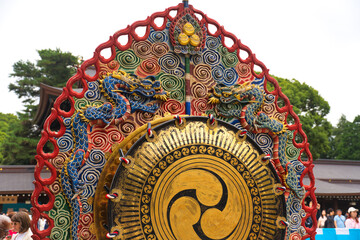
195 40
188 29
183 39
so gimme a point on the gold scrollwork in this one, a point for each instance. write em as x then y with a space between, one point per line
100 202
186 182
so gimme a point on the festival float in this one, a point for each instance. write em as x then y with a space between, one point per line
174 136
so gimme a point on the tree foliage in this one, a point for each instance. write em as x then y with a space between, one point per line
346 139
312 110
54 68
18 134
6 123
17 143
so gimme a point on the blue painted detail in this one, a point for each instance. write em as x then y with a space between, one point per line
126 94
337 234
187 108
246 103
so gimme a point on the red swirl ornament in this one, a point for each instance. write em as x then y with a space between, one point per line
87 219
103 139
174 107
58 162
244 71
109 67
199 106
55 188
202 73
148 67
295 236
113 65
84 227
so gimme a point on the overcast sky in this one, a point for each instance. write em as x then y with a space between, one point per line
316 42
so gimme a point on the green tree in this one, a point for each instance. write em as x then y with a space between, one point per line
19 137
54 68
346 141
312 110
6 123
16 149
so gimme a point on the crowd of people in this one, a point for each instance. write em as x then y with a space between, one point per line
16 226
328 219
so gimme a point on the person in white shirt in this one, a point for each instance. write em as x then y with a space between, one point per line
322 219
41 223
21 224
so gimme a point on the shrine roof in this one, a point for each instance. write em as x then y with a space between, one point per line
48 95
336 178
16 179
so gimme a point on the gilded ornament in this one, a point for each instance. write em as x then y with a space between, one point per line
183 39
188 29
195 40
182 172
256 111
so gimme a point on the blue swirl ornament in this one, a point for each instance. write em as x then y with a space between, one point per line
259 82
90 177
96 159
211 57
212 42
65 142
172 64
196 59
67 122
93 93
90 174
157 36
226 76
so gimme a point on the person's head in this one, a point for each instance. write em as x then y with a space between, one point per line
352 212
331 212
323 213
339 212
5 224
24 210
21 222
10 214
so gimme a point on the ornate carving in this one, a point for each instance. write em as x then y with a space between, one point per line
160 54
187 184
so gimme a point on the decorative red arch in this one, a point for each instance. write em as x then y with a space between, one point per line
69 95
